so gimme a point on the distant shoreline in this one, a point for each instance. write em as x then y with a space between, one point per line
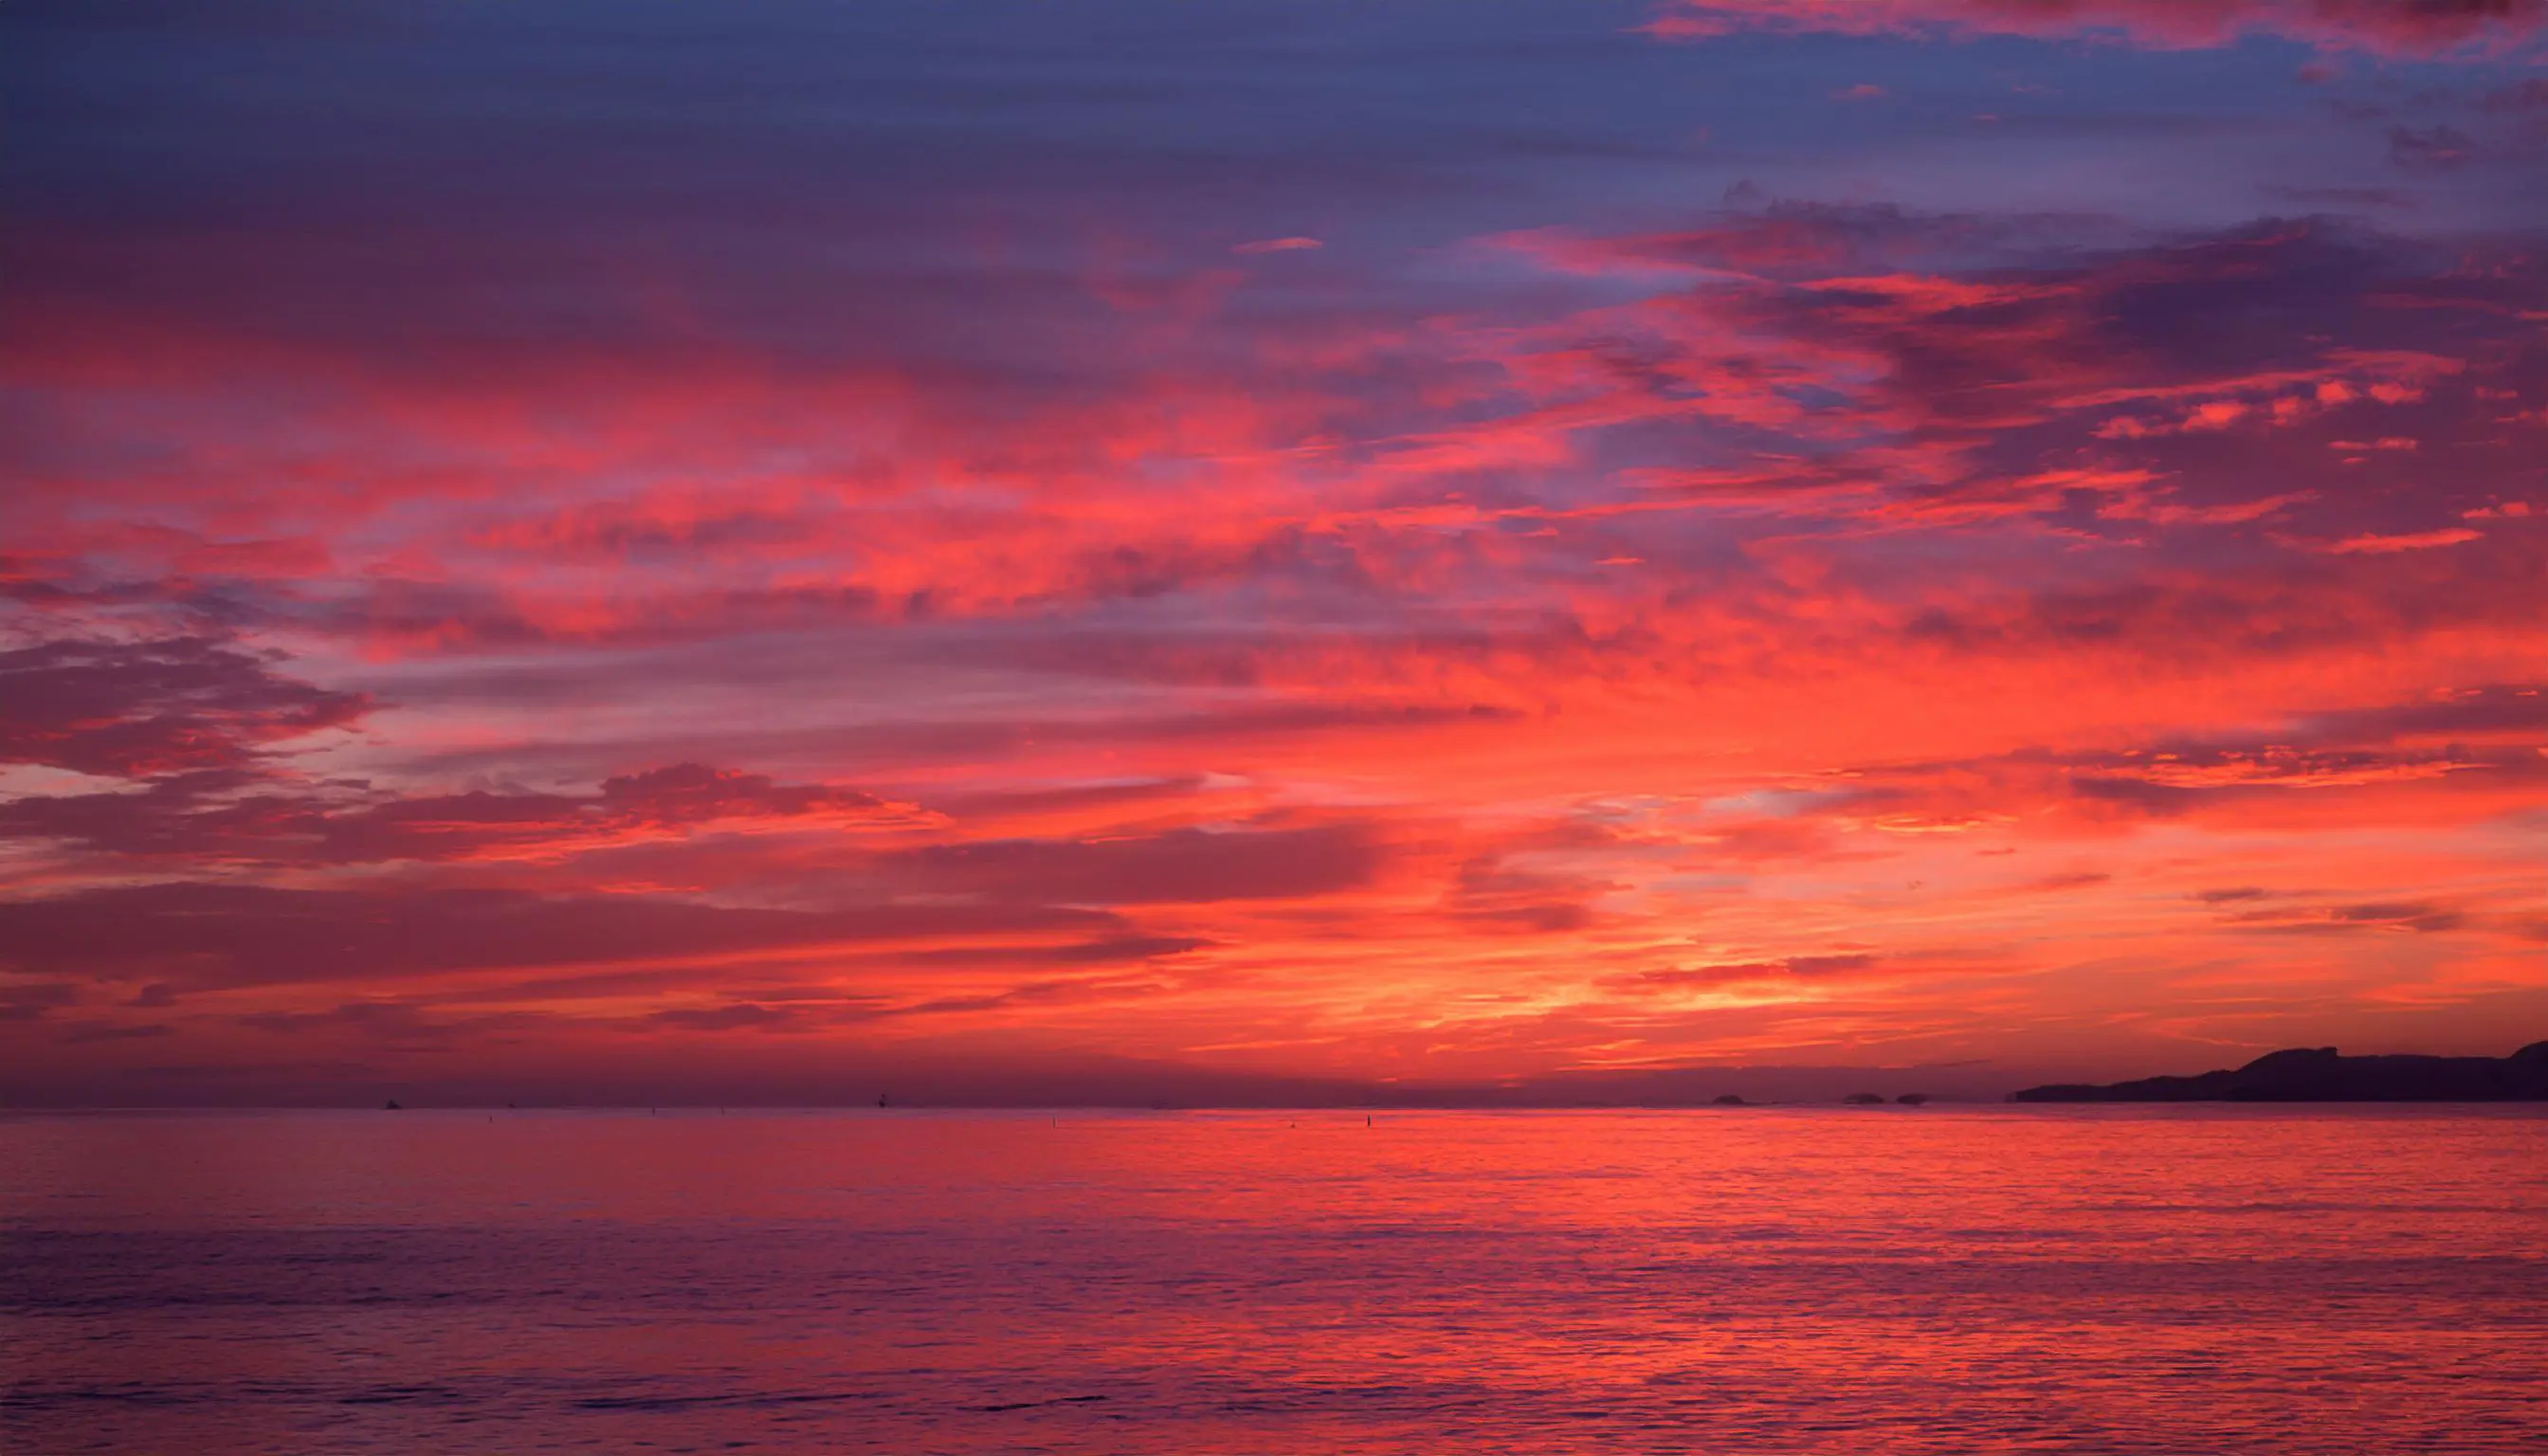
2322 1075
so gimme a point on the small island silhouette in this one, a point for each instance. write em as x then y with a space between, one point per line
2322 1074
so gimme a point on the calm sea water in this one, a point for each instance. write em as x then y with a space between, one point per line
1824 1280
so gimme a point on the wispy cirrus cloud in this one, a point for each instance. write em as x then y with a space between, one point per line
2405 28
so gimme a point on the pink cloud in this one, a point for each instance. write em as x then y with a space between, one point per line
2381 27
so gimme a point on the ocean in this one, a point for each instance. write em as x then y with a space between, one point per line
2110 1280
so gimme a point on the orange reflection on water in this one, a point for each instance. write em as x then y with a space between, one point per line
1891 1280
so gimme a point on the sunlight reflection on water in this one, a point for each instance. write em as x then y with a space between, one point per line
1762 1280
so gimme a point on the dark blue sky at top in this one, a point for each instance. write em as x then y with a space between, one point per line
1406 122
935 184
978 188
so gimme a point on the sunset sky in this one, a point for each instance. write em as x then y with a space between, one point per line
761 546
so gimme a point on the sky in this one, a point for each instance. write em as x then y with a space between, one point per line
672 551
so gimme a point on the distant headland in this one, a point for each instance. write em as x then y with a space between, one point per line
2320 1074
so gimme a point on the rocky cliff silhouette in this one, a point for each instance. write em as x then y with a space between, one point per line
2322 1075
